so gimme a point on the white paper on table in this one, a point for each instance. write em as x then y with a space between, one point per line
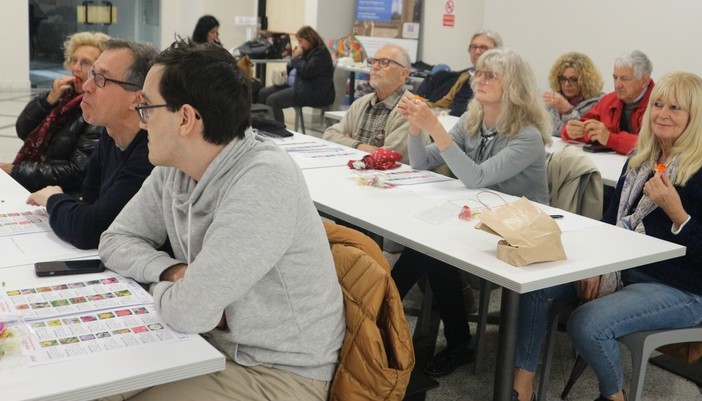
22 249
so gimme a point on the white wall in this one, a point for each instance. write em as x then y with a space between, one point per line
668 32
449 45
180 16
14 71
330 20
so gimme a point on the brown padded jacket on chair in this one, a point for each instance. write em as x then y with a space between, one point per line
377 355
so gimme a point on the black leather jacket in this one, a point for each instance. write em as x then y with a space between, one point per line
64 159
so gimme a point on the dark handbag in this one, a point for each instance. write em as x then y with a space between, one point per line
267 127
259 48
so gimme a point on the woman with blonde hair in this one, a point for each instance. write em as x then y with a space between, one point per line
659 194
499 143
57 141
576 85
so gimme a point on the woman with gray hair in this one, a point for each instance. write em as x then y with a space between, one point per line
57 140
499 143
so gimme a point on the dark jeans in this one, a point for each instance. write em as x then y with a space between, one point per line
445 281
278 98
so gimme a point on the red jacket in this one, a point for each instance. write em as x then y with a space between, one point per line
609 111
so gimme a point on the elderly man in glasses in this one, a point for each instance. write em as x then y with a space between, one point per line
372 121
119 164
614 122
457 98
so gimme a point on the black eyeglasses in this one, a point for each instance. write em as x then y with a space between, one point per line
562 79
383 61
142 110
101 80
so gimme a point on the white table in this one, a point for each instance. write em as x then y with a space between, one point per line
91 377
392 213
610 164
310 152
23 248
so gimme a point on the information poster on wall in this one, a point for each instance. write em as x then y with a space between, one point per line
379 22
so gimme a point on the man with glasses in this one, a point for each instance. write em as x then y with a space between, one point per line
372 121
251 266
614 122
457 98
119 164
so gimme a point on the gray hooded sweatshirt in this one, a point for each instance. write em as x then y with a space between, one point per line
256 250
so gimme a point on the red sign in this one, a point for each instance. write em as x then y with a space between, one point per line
448 19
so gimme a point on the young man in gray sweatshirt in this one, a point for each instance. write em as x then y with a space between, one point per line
252 269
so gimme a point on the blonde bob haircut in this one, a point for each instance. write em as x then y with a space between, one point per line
521 103
685 90
78 39
589 77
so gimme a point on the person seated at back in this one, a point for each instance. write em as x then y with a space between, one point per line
576 86
614 122
252 268
499 144
57 140
373 121
206 30
461 92
314 83
120 163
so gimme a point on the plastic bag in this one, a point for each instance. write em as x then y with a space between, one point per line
348 46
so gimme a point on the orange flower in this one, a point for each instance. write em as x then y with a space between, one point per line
661 168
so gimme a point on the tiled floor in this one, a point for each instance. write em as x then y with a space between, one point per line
463 384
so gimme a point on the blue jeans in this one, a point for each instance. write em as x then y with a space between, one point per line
594 327
532 322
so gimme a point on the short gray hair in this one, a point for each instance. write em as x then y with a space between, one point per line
404 57
490 34
144 55
637 61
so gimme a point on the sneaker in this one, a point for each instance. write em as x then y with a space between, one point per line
448 359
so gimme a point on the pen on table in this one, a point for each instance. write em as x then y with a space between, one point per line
556 216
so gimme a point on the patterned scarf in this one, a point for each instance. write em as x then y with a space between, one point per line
632 190
42 134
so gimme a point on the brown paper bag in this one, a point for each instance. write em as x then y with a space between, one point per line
530 235
685 352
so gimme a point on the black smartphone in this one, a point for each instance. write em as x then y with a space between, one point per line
64 267
597 148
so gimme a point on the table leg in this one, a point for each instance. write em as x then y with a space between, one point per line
352 86
261 72
504 369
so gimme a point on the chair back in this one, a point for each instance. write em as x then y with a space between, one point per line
574 182
377 355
